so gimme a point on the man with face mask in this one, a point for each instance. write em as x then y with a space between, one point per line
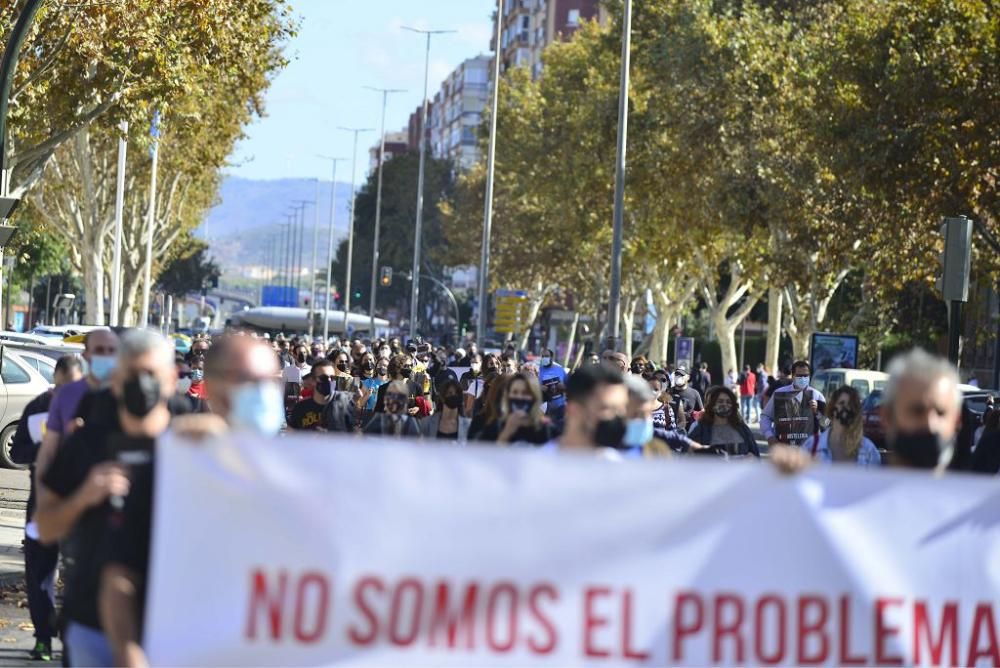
794 413
921 411
327 409
685 400
596 406
241 384
85 481
552 376
100 347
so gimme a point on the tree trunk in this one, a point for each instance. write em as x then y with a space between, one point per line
725 329
628 324
774 304
572 339
93 284
800 342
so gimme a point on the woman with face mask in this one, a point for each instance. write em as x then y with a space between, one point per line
486 409
400 368
370 382
844 441
721 429
448 423
395 421
196 392
521 417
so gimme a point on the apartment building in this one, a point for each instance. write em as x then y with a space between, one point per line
457 111
396 143
531 25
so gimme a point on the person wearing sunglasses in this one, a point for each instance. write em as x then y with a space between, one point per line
394 421
327 409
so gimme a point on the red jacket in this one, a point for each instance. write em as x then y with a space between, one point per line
748 387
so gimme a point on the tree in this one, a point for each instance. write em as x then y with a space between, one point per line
212 90
190 270
399 189
116 61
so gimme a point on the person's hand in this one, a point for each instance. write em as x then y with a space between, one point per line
415 411
789 459
814 405
199 427
74 425
104 480
513 422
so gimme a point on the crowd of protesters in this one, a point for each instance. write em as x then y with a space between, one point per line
92 471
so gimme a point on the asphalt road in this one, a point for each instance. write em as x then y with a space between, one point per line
14 486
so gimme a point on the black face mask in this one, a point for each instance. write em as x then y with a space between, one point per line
301 357
522 405
342 367
141 394
921 450
453 401
369 366
844 416
324 387
406 373
610 433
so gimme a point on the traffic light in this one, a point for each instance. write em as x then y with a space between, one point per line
956 259
357 295
385 278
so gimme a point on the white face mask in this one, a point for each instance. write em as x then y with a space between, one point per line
680 381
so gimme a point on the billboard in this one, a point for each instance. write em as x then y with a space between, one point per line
833 351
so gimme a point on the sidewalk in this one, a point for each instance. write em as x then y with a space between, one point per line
11 535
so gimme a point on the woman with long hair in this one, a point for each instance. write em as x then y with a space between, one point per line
844 441
521 418
486 409
448 423
721 430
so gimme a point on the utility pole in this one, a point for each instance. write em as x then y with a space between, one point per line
378 206
300 210
350 227
329 250
418 226
615 298
312 271
484 260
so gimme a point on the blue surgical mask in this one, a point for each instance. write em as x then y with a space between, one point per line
638 432
546 361
801 382
257 407
101 366
197 375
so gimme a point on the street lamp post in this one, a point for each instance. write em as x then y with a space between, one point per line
289 245
312 271
329 250
378 207
615 298
350 227
484 260
418 226
300 212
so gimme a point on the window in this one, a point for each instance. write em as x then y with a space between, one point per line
12 373
573 19
525 22
469 134
862 387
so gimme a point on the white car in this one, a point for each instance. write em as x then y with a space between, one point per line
23 376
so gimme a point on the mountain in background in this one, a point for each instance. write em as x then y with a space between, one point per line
245 228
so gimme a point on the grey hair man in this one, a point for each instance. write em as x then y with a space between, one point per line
921 410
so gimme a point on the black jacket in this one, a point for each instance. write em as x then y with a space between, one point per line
702 433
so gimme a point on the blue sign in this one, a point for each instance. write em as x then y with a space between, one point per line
684 351
279 295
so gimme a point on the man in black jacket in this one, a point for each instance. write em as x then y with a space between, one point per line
40 559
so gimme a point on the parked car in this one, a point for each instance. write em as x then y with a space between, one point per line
20 382
865 382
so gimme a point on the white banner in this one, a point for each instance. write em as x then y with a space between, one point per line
320 551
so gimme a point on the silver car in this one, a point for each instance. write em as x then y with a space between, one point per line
24 376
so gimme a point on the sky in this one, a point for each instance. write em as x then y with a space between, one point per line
342 46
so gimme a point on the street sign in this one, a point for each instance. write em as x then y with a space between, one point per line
684 352
511 311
